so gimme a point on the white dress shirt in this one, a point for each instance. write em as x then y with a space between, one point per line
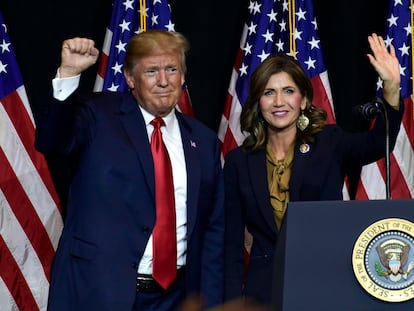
172 140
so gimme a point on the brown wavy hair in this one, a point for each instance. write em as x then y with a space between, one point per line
251 119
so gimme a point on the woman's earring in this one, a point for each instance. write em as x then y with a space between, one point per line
302 122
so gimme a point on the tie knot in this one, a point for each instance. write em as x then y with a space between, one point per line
157 122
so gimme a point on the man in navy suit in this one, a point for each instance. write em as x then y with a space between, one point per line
104 257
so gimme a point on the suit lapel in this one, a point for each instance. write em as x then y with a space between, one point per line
133 122
192 165
257 170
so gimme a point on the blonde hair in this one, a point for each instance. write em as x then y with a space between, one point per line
155 42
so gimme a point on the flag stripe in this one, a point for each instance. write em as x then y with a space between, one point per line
23 256
402 165
22 120
229 132
26 215
15 281
323 95
371 176
5 296
23 172
103 63
361 193
408 122
184 102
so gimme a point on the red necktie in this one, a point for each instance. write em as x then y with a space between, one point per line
164 233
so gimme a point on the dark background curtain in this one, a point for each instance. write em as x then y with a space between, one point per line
213 28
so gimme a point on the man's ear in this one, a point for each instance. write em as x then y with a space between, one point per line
129 79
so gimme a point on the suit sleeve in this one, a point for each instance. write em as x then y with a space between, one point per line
63 126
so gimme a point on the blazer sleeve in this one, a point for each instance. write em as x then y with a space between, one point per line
234 232
213 245
369 146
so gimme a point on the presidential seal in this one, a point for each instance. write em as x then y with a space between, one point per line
383 260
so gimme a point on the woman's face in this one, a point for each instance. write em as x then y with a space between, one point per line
281 102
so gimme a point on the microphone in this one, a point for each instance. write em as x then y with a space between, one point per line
369 110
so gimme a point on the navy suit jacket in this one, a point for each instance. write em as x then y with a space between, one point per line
111 209
316 175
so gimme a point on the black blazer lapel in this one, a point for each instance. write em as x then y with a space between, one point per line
299 168
257 170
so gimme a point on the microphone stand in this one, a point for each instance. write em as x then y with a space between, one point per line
387 157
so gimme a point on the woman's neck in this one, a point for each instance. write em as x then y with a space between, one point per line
280 143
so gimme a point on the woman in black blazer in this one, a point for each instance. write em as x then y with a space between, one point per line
290 154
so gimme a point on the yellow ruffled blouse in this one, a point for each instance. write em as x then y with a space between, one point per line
278 176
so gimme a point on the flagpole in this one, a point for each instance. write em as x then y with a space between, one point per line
292 27
143 15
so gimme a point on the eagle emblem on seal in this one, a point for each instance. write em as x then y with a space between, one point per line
393 255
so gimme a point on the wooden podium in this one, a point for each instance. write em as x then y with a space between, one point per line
325 250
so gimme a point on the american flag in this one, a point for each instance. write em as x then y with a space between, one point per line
372 184
274 26
30 216
130 17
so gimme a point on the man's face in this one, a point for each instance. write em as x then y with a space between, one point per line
156 82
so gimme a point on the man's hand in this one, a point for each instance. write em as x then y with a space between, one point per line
77 55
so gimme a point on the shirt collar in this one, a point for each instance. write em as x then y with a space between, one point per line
169 119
